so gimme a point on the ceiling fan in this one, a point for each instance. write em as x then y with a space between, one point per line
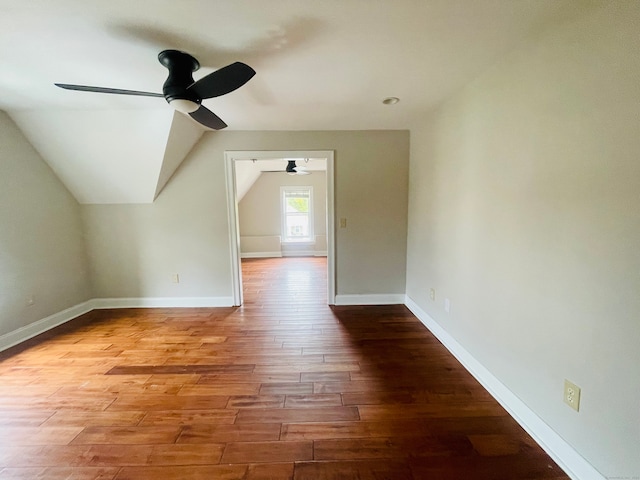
293 169
180 90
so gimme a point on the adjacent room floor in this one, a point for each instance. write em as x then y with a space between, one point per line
283 387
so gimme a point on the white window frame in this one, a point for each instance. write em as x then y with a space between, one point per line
311 239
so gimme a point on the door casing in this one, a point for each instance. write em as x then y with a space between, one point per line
231 156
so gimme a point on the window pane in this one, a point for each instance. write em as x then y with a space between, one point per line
297 204
297 226
297 214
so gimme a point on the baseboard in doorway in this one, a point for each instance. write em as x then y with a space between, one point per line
261 255
371 299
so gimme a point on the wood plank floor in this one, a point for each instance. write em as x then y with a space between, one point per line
284 387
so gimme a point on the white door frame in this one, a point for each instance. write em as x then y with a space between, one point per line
230 158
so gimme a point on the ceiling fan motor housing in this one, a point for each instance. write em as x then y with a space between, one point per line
291 167
181 67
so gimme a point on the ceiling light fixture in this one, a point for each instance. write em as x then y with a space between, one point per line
292 169
390 100
183 105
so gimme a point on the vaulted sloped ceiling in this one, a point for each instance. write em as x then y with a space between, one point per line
111 156
324 65
184 134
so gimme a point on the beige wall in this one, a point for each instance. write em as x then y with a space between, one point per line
260 209
525 213
41 246
134 249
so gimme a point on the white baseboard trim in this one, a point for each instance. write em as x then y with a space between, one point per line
562 453
371 299
162 302
22 334
261 254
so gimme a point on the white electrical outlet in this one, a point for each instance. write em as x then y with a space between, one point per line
572 395
432 294
175 278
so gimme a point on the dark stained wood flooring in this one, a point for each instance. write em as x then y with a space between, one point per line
283 387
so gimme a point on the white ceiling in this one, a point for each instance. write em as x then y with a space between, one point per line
248 171
322 65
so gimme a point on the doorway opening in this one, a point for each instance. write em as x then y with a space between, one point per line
242 169
296 285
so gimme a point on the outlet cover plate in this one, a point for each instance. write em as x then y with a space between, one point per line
572 395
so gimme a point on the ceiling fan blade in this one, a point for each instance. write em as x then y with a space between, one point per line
222 81
207 118
86 88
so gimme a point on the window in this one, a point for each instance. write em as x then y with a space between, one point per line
297 214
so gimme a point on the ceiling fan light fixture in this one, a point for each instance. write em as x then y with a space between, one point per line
293 169
181 92
183 105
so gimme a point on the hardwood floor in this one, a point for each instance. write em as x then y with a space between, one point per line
283 387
